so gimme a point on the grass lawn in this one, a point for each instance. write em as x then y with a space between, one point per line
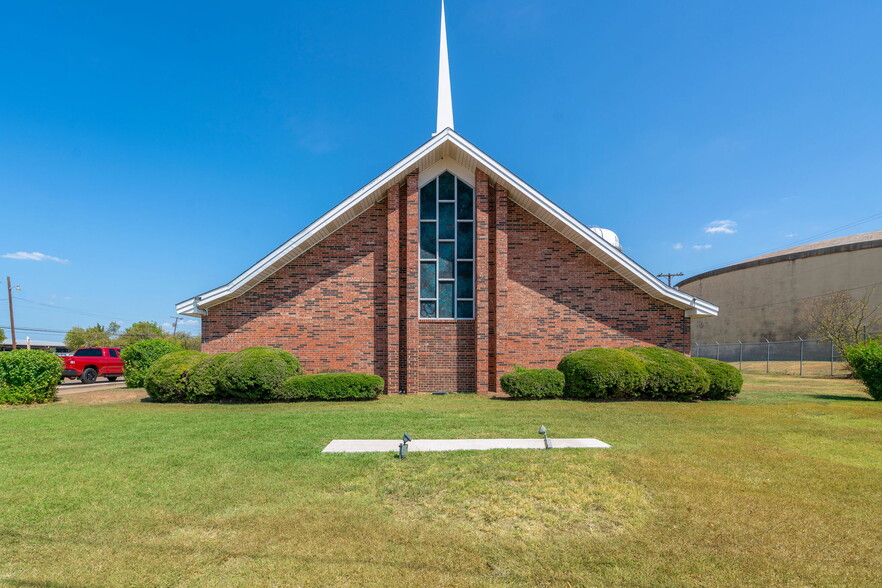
781 487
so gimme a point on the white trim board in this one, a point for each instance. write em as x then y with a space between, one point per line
449 144
391 445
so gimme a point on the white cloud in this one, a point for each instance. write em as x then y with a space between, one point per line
790 235
33 256
701 247
678 246
721 226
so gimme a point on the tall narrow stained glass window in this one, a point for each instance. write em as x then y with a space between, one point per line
447 246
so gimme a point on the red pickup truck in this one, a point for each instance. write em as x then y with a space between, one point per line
90 362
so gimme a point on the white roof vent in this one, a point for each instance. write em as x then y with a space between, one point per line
608 236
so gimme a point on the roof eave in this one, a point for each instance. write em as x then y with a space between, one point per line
568 226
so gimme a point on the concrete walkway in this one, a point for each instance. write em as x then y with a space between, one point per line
384 445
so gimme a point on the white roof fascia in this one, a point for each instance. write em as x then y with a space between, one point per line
591 242
625 265
193 306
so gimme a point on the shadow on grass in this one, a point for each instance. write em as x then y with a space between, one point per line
837 397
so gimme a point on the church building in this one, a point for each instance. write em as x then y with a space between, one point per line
442 274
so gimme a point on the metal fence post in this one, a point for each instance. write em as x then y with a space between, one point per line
832 348
801 344
768 354
740 355
718 351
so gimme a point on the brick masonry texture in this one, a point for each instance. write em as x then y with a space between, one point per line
447 356
350 303
560 300
327 306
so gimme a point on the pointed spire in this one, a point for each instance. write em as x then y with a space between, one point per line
445 97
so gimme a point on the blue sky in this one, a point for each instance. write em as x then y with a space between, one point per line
159 149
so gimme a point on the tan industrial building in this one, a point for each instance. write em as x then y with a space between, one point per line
761 298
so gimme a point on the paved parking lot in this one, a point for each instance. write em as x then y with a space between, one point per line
74 386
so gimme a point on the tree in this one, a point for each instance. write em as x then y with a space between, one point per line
2 336
97 336
841 318
110 336
139 332
186 340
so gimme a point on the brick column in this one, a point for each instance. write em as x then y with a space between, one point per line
482 283
409 308
499 256
393 285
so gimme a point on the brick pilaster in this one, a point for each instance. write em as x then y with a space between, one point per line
410 312
483 358
393 286
499 256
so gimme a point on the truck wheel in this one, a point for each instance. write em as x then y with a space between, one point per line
111 378
89 376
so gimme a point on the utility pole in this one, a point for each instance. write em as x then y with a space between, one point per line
175 326
669 276
11 313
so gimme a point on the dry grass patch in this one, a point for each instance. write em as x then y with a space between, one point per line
490 494
104 396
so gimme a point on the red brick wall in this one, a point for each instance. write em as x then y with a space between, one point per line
447 356
350 302
327 306
561 299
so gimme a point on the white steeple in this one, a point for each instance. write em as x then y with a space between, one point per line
445 97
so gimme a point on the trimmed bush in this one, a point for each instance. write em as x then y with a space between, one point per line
725 380
335 386
28 376
865 360
203 379
138 357
167 378
256 373
672 375
537 383
603 372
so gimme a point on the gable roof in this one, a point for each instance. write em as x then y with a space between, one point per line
450 144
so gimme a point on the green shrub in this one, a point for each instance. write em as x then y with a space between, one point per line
865 360
203 379
336 386
603 372
138 357
256 373
536 383
28 376
167 378
672 375
725 379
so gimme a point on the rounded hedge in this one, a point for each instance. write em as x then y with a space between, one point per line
725 380
535 383
603 372
334 386
672 375
167 379
256 373
865 360
28 376
138 357
203 379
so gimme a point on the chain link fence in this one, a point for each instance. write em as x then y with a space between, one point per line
804 357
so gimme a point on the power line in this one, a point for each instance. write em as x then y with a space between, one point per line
669 276
802 241
83 312
34 330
